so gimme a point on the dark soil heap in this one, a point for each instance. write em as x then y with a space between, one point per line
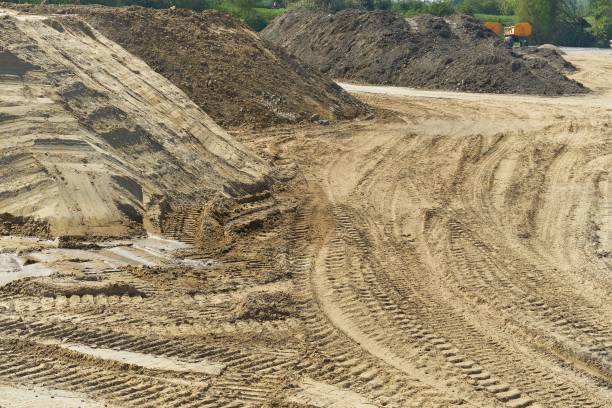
455 53
223 66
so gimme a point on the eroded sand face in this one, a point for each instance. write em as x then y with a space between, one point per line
93 138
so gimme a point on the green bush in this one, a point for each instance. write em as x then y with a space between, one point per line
414 7
601 21
440 8
503 19
480 6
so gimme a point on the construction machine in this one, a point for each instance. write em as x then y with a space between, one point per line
494 26
518 33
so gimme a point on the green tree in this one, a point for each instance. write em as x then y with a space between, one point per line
507 7
440 8
245 6
601 21
542 14
560 21
480 6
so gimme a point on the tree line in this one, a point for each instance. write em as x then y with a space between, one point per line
563 22
568 22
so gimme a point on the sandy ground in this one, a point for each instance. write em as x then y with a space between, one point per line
455 250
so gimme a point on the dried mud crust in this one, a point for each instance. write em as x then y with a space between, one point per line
224 67
456 53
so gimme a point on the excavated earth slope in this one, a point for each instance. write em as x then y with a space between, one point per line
223 66
95 142
457 53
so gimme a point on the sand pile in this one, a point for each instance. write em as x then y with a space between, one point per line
223 66
95 142
457 53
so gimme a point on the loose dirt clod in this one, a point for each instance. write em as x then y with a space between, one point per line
455 53
266 306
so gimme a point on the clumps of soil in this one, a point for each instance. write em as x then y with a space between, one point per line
76 242
107 289
546 55
278 402
233 75
455 53
11 65
89 241
41 287
24 226
264 306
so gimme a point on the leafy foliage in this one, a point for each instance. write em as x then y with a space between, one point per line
480 6
565 22
414 7
601 21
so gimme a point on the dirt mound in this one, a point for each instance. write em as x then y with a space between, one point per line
547 55
223 66
95 142
16 225
266 306
456 53
552 47
44 287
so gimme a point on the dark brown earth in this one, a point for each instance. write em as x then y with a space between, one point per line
547 55
455 53
223 66
17 225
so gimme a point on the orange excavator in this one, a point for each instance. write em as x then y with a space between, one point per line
518 33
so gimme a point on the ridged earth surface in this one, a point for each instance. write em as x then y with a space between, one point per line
452 251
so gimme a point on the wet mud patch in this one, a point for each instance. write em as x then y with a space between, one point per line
107 113
130 212
122 138
130 185
5 117
79 90
10 64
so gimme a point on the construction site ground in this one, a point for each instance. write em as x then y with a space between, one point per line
453 249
